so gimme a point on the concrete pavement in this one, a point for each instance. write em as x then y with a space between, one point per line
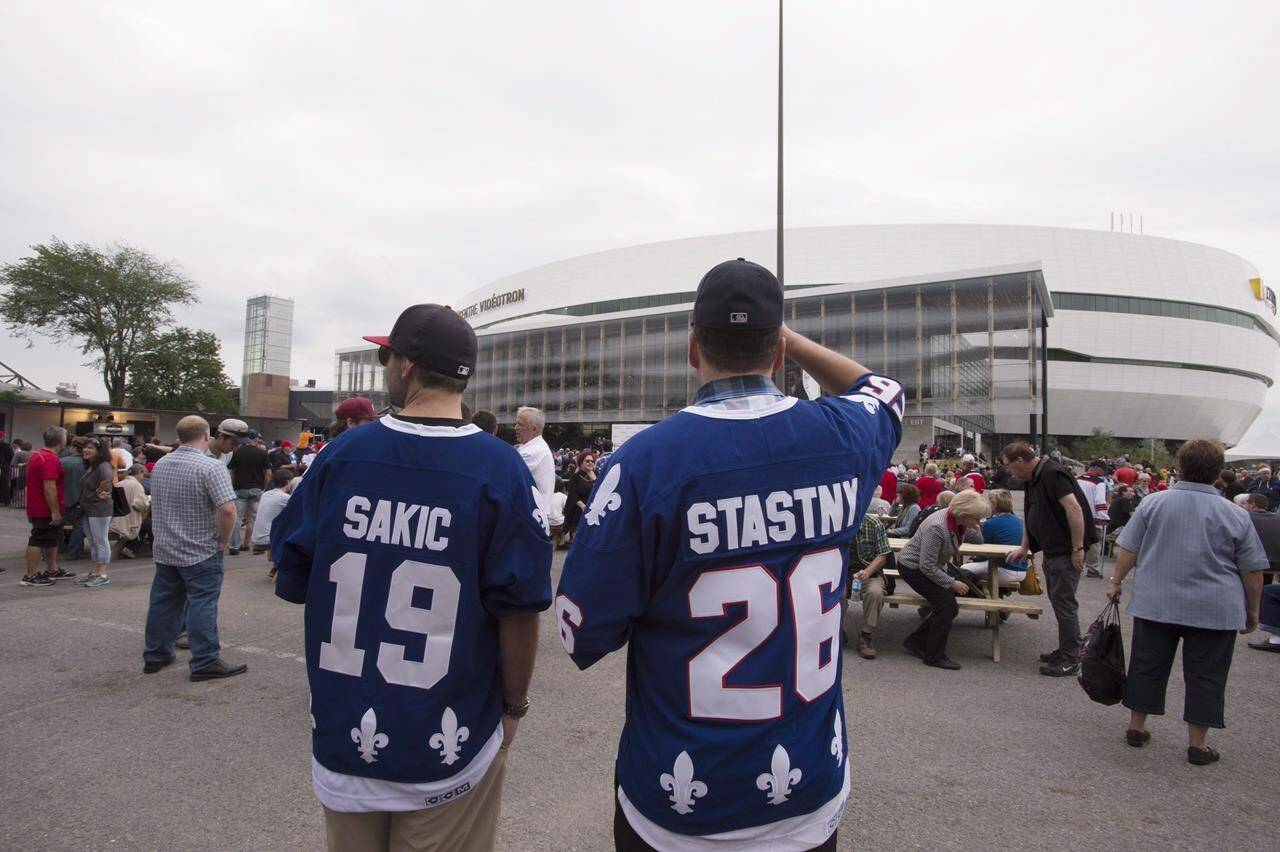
98 755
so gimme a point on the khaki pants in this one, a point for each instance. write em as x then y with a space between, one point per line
468 825
872 603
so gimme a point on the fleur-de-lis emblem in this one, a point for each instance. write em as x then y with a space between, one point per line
450 737
778 780
837 742
539 514
682 785
606 498
367 738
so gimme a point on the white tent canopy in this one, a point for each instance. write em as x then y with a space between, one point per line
1262 447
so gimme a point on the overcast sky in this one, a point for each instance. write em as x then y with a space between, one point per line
362 157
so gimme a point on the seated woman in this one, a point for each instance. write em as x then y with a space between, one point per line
1003 527
923 565
908 508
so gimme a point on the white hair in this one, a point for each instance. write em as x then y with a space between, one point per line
970 506
535 417
1241 499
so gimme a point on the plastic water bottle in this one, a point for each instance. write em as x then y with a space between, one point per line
857 584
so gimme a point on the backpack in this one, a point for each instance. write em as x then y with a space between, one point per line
920 516
1102 658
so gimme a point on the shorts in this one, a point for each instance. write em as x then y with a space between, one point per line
44 533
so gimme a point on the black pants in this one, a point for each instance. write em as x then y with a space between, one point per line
1206 659
1061 580
930 638
625 838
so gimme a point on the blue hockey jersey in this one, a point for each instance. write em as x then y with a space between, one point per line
407 542
716 545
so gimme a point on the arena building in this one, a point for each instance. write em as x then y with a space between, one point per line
994 330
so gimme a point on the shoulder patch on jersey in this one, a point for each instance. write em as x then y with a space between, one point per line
887 391
607 498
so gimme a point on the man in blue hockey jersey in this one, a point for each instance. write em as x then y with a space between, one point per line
418 547
716 546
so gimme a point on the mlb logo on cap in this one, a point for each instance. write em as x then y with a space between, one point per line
464 371
738 294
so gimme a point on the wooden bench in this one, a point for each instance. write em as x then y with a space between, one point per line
992 605
980 604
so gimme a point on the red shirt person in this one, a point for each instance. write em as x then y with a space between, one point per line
930 486
45 505
889 486
1126 475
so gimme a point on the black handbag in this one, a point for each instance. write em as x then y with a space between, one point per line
1102 672
119 502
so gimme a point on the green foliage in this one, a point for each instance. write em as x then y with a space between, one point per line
1104 445
1099 445
180 369
11 395
107 301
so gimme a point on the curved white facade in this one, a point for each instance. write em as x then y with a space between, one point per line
1195 376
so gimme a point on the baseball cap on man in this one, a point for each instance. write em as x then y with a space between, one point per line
355 408
233 428
436 338
738 294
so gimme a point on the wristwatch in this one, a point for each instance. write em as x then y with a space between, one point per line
1114 582
515 711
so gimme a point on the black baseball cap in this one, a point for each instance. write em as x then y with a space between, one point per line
436 338
738 294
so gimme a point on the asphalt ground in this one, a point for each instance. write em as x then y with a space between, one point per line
96 755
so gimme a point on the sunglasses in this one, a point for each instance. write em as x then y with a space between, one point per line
384 355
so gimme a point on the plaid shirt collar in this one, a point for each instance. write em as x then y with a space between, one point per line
732 387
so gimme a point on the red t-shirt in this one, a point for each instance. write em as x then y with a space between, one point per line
889 486
1127 475
43 466
929 488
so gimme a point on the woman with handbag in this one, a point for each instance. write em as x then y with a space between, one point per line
96 504
1197 564
925 565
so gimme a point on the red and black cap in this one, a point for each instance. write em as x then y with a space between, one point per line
738 294
355 408
436 338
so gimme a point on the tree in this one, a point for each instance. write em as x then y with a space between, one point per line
1099 445
106 301
180 369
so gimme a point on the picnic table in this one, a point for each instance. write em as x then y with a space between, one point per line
993 605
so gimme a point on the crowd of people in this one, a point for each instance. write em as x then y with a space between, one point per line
421 546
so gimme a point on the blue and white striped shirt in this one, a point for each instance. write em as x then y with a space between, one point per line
1191 545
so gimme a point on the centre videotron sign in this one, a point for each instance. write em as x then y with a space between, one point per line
497 300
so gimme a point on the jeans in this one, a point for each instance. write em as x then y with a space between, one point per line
246 509
75 544
1269 612
1061 578
195 587
96 533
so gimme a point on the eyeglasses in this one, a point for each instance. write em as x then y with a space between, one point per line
384 355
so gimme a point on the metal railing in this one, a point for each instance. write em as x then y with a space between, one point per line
13 488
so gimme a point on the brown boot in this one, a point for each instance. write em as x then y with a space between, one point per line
865 649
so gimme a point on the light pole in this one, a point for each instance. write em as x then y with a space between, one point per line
780 254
